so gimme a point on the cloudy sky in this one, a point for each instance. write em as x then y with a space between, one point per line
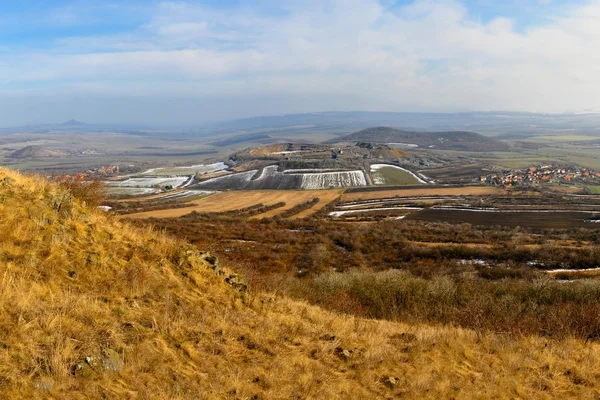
187 62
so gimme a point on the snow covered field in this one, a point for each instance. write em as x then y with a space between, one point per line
129 191
327 180
270 178
189 170
386 174
150 182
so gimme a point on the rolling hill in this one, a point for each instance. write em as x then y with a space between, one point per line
450 140
91 307
36 152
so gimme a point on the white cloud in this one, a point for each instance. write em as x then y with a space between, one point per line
427 56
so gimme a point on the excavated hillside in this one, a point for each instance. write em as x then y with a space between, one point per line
91 307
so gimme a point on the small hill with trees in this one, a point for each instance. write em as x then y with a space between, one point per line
36 152
450 140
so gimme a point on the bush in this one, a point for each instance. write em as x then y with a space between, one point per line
92 192
539 306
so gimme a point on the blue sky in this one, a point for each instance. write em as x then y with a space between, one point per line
188 62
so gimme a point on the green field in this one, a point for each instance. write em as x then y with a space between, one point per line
594 189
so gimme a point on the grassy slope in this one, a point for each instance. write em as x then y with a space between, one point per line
75 284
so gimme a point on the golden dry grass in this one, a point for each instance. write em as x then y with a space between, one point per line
235 200
75 283
445 191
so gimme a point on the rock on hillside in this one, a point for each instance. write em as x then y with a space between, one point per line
451 140
91 307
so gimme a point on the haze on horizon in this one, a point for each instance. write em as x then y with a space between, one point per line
189 62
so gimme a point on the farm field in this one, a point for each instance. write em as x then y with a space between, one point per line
462 173
269 178
565 138
185 171
585 156
385 174
551 220
412 192
235 200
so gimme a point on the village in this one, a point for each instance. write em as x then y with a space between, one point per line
540 174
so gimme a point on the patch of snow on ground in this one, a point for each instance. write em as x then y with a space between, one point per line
327 180
345 212
380 180
187 170
232 181
309 170
551 271
130 191
411 145
149 182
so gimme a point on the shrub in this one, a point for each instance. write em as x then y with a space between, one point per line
91 192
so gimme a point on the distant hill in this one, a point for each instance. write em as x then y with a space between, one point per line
36 152
73 123
450 140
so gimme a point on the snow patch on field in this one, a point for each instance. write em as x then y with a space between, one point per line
497 210
327 180
554 271
149 182
346 212
186 193
410 145
292 152
234 181
310 170
188 170
129 191
378 179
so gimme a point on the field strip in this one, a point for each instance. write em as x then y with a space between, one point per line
376 167
444 191
235 200
510 211
302 196
346 212
156 196
561 271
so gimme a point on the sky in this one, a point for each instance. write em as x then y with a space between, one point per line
182 63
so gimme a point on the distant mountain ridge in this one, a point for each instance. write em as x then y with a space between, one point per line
448 140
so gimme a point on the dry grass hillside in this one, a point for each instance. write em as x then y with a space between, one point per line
91 307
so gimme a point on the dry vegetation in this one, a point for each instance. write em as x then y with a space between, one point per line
439 191
496 275
91 307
